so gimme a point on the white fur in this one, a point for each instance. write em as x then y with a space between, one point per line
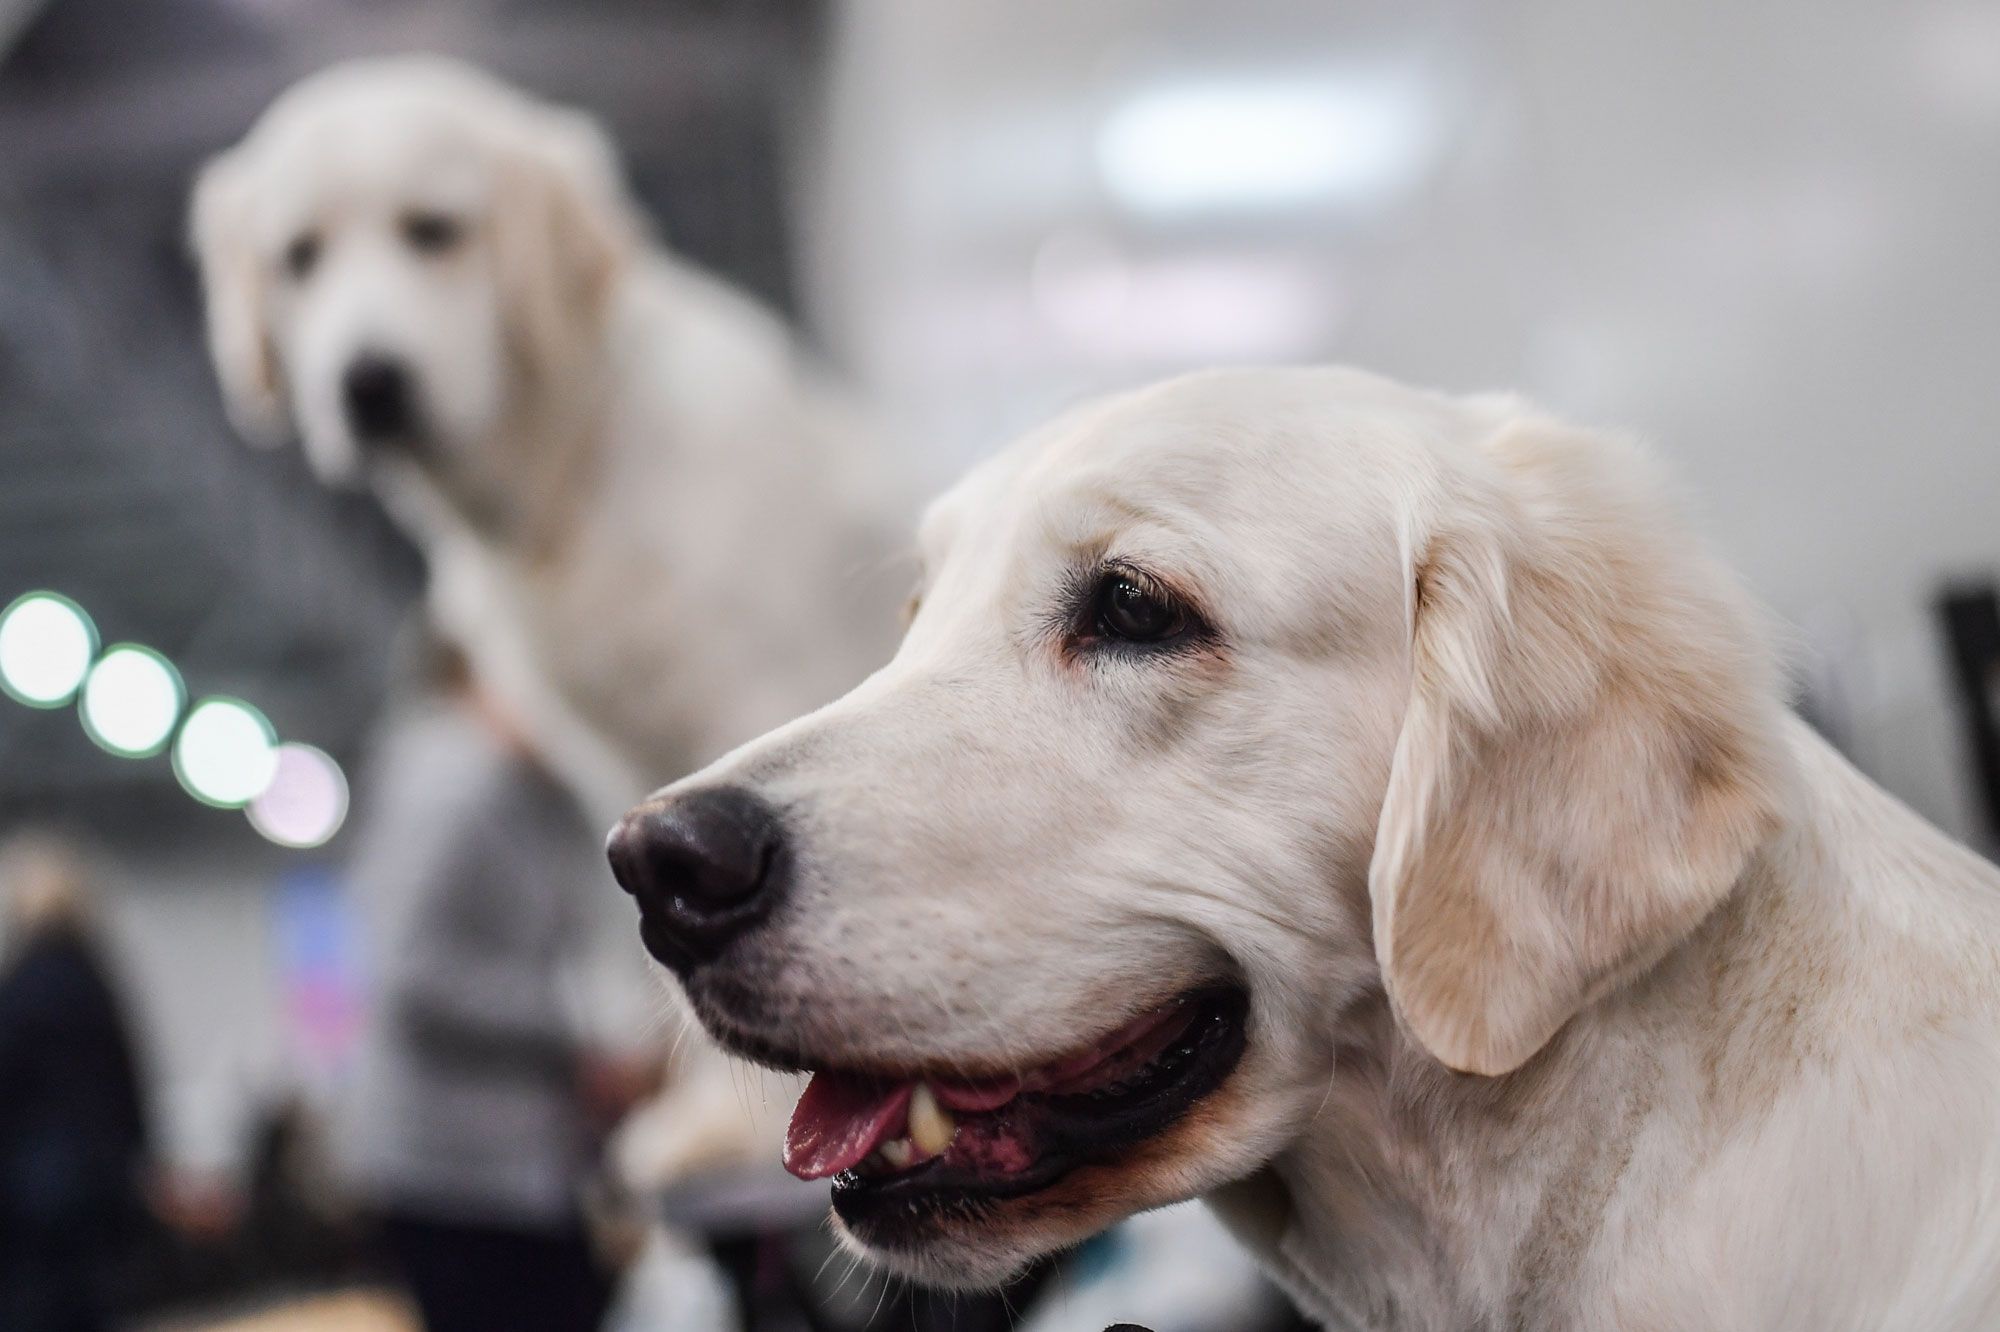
1486 769
654 532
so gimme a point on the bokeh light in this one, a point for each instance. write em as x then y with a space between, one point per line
1231 146
226 753
46 643
306 800
131 700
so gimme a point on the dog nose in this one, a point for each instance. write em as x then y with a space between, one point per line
376 393
705 867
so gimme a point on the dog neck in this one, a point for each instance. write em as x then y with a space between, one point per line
549 447
1788 1076
1423 1198
557 440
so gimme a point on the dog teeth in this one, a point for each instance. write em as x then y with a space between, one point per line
931 1129
931 1125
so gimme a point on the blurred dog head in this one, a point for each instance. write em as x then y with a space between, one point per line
398 256
1226 708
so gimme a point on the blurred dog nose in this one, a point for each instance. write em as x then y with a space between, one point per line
376 393
705 867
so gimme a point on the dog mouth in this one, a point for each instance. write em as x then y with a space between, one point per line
903 1150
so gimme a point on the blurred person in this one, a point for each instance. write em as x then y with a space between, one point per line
478 1103
73 1126
298 1227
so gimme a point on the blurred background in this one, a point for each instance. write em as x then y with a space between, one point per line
1759 236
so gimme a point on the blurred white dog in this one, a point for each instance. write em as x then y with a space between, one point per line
655 534
1371 811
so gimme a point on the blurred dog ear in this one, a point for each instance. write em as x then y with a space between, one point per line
233 281
1589 756
564 230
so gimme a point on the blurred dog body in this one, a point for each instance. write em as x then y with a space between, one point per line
1374 812
652 530
655 533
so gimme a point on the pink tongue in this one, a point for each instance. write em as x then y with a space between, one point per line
841 1119
986 1094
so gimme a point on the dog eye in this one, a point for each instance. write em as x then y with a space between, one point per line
432 233
301 255
1126 608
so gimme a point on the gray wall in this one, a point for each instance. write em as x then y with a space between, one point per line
1760 235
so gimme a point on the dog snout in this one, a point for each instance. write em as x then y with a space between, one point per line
378 394
705 867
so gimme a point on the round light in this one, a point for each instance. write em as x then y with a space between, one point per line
226 753
306 801
131 700
46 643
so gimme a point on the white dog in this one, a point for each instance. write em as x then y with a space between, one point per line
656 536
1372 812
653 533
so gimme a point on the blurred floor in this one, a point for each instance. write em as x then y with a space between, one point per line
352 1311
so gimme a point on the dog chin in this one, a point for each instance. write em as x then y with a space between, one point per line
985 1249
334 459
972 1262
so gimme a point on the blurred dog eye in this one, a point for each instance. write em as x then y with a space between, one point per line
301 255
432 233
1125 608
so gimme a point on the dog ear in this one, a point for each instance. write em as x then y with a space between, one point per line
233 279
1589 756
563 231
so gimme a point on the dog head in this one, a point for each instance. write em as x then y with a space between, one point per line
1225 706
397 251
